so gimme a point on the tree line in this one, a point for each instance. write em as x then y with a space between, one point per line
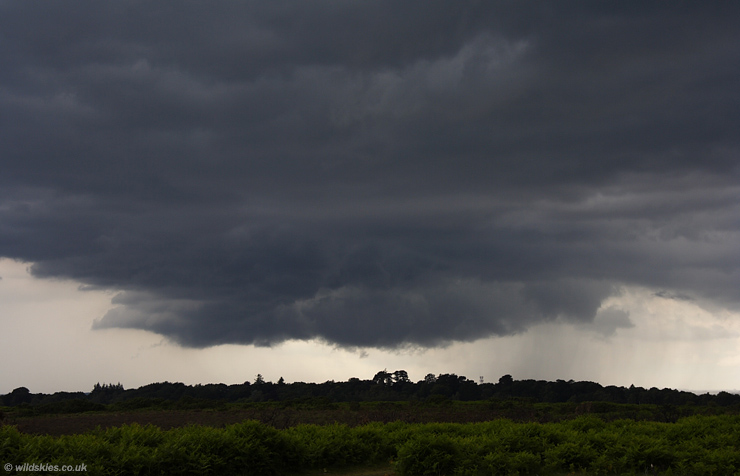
384 386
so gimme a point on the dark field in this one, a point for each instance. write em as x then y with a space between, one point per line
281 415
278 416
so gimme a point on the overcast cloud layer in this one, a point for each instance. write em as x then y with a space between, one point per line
372 174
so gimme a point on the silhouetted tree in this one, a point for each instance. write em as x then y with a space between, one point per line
18 396
400 376
383 378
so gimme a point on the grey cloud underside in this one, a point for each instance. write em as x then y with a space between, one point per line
370 173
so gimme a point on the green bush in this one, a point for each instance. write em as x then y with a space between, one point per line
427 454
693 446
503 463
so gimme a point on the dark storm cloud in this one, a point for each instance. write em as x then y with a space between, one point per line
371 173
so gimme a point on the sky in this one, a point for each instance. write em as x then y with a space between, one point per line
201 192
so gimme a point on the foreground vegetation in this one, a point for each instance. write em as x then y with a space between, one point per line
442 425
698 445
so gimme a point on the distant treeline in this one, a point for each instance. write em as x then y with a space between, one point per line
385 386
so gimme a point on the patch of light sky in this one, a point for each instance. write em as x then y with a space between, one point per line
47 344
